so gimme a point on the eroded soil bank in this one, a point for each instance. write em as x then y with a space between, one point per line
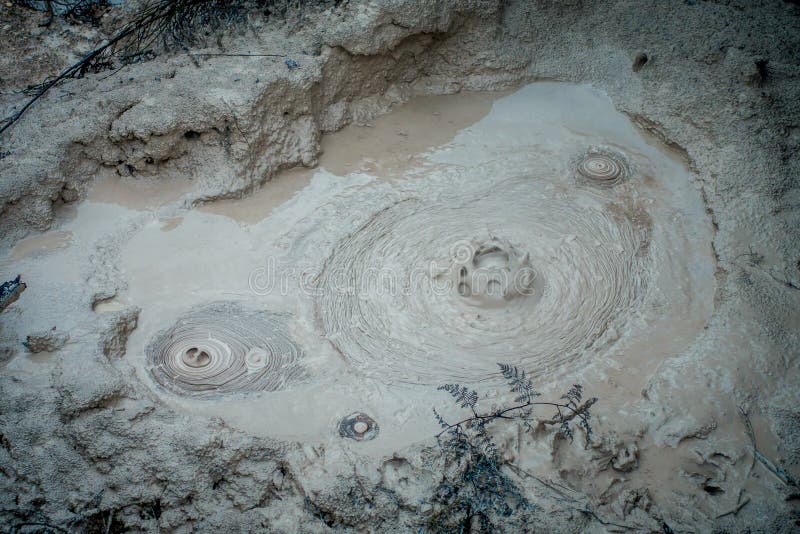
227 260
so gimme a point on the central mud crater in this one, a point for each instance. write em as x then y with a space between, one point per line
492 273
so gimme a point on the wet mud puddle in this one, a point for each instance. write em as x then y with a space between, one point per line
538 228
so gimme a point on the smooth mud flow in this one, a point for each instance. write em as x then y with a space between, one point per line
549 234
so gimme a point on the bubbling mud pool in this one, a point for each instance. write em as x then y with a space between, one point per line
548 233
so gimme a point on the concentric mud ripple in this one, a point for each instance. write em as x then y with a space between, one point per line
567 272
602 166
221 349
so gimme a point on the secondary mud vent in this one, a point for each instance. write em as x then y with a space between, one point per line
602 166
358 426
221 349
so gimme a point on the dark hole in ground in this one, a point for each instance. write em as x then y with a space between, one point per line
639 61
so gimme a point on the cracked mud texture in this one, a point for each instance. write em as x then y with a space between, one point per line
81 436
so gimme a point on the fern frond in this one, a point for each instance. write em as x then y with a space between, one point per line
518 382
464 396
439 419
509 371
566 430
574 395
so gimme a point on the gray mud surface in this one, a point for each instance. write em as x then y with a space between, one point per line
187 355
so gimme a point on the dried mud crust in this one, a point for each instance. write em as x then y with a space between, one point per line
85 444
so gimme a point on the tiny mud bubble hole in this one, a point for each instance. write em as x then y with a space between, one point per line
602 166
196 357
222 348
358 426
